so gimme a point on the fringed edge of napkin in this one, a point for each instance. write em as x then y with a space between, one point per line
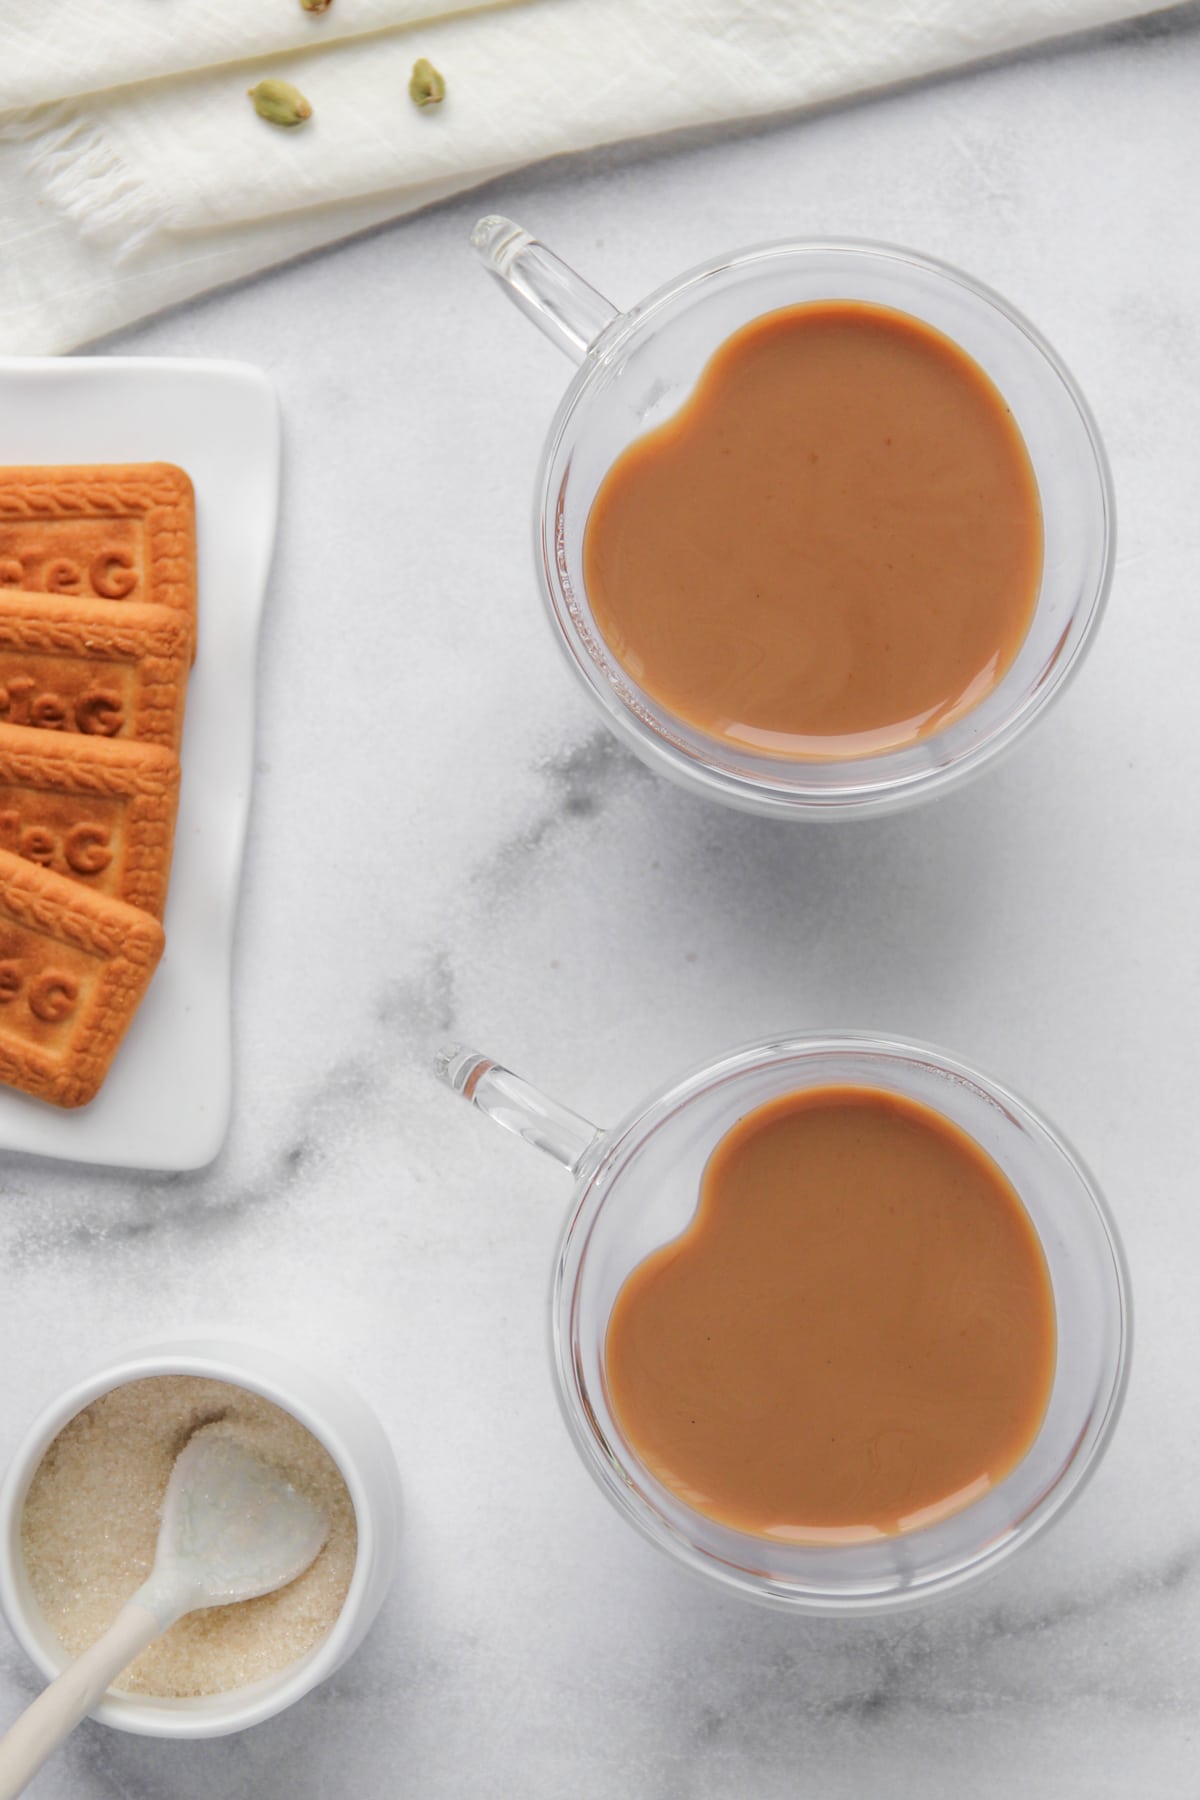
73 162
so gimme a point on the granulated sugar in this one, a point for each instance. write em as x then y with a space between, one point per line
91 1518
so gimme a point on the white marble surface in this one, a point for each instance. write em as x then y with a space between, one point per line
445 844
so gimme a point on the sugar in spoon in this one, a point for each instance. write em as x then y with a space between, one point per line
232 1528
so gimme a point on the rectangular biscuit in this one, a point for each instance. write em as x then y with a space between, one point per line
92 809
117 532
88 667
73 968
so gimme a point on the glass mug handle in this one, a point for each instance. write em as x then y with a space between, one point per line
519 1106
559 301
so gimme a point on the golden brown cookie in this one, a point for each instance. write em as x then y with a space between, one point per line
73 968
87 667
120 532
93 809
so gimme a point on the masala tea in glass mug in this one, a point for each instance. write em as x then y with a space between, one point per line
821 527
837 1322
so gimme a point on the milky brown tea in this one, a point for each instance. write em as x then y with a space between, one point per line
854 1336
833 549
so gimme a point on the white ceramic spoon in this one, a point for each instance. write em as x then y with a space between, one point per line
232 1528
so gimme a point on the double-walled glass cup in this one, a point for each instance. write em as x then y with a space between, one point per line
637 1188
638 367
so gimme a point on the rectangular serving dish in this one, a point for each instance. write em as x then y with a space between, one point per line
167 1100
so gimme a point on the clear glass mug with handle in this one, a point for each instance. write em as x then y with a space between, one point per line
636 1188
638 367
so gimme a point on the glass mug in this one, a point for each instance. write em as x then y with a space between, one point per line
637 1187
636 370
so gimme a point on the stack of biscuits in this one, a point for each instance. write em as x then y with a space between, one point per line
97 636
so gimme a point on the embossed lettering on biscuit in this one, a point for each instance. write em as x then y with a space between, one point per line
119 532
113 575
87 849
63 577
78 665
75 968
99 712
98 810
53 996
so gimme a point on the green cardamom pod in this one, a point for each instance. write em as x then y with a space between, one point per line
316 5
279 103
428 86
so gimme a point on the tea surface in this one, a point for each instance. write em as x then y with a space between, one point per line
854 1336
833 549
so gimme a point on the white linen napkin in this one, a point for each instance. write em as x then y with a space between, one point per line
134 171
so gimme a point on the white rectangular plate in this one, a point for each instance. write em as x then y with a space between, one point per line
166 1102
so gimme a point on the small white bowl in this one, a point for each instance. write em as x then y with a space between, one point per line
336 1417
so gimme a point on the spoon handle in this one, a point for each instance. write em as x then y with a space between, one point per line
57 1711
